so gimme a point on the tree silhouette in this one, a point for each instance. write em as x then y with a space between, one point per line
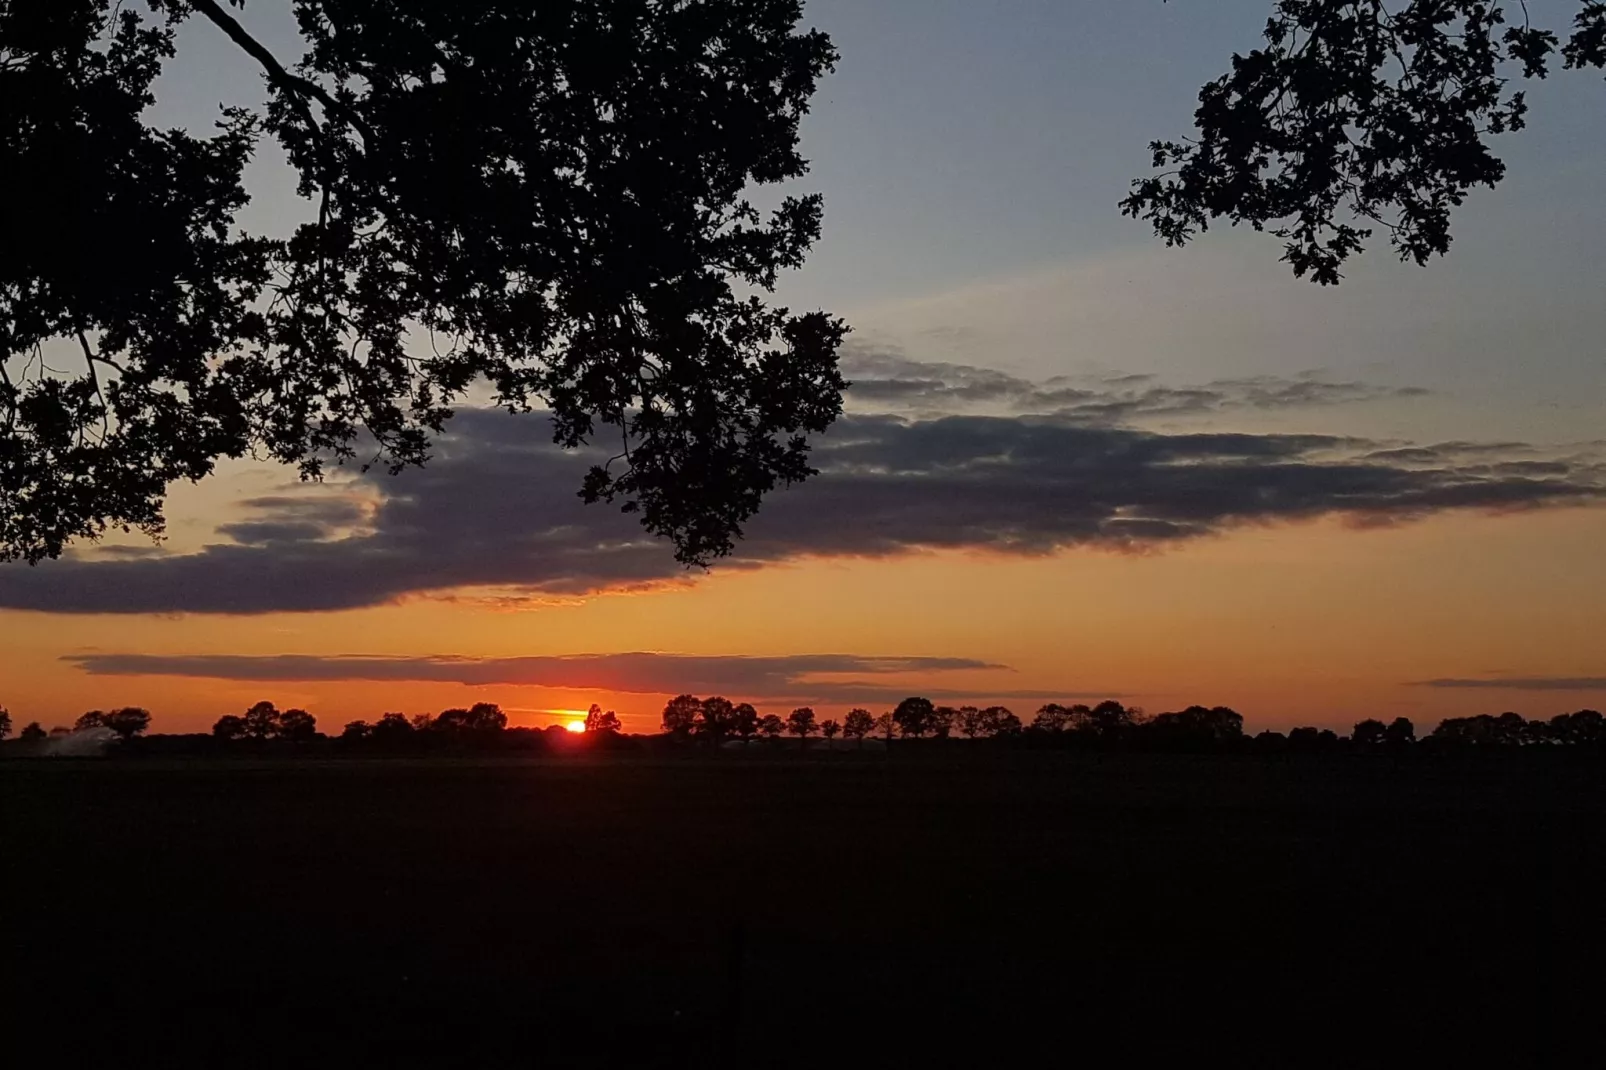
92 719
771 726
830 730
1584 728
392 728
681 715
971 722
744 721
559 206
999 721
602 723
717 718
857 724
914 716
942 721
801 724
229 727
884 725
1110 719
297 725
1369 733
1353 116
5 722
32 732
1399 732
1053 718
355 731
478 720
262 721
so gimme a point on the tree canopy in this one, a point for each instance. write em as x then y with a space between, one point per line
1357 115
546 200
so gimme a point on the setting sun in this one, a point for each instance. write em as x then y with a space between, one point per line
576 726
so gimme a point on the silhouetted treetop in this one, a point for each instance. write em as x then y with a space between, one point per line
548 197
1359 114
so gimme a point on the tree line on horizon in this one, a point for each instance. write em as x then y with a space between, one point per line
715 720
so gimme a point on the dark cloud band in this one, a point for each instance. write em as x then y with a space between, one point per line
795 678
496 509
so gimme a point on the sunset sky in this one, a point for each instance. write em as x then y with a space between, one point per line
1076 464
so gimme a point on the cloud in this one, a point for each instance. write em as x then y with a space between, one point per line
883 379
1523 683
496 511
793 677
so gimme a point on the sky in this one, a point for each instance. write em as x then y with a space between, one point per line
1075 464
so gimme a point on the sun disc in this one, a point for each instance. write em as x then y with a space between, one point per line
576 726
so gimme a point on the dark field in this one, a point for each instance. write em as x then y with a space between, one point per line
1049 907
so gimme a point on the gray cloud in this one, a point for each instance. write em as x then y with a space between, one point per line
497 509
1525 683
885 379
794 677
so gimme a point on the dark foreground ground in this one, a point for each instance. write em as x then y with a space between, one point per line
1038 908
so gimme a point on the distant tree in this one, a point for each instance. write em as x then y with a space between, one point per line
1199 725
5 722
392 728
1305 738
32 732
771 726
1000 721
1399 732
1271 741
914 716
602 723
884 725
480 719
1053 718
262 721
971 722
858 724
1369 733
830 730
228 727
744 721
92 719
356 730
681 715
717 718
129 721
423 722
1506 730
801 724
61 730
943 719
1584 728
1110 719
297 725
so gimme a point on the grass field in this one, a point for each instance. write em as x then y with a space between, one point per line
768 912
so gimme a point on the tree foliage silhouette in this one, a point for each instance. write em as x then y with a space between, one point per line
1354 115
549 198
600 722
858 723
32 732
5 722
681 715
800 722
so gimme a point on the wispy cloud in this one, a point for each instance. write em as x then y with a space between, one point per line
885 380
800 678
1520 683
